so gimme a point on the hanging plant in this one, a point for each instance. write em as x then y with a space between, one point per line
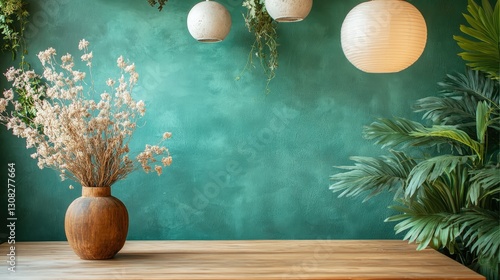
261 24
265 46
483 53
160 3
13 20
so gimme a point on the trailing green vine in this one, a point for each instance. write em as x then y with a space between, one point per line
13 21
160 3
265 46
262 25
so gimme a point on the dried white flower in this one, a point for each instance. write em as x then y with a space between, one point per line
67 58
8 94
158 169
167 135
3 104
110 82
141 107
78 76
83 44
121 62
46 55
166 161
130 68
88 58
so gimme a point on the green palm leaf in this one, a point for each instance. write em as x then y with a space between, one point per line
405 133
481 229
457 103
483 121
450 133
431 229
448 110
426 216
474 83
485 186
373 175
483 52
399 132
431 169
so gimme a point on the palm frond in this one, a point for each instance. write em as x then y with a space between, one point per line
373 175
483 113
426 217
424 227
481 230
485 186
474 83
483 52
431 169
399 132
448 110
458 101
449 133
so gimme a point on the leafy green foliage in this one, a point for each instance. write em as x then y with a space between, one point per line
483 53
265 46
429 170
448 199
458 102
13 20
160 3
27 112
374 175
485 183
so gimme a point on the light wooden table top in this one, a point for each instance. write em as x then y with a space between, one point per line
264 259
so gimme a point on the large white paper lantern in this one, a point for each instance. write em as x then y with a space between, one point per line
209 22
288 10
383 36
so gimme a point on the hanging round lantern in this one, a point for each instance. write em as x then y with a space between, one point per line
209 22
288 10
383 36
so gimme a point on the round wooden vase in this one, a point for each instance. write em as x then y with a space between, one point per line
96 224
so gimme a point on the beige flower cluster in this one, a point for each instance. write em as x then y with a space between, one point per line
82 133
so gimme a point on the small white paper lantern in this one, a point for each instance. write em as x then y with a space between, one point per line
383 36
209 22
288 10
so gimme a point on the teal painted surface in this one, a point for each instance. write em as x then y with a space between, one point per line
246 165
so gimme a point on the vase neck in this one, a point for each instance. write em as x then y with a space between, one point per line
96 191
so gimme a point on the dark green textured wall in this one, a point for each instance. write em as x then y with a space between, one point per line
246 165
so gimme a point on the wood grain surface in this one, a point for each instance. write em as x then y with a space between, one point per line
258 259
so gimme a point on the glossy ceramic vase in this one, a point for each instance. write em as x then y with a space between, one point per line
96 224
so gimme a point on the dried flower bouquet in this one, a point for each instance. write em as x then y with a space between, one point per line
80 132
